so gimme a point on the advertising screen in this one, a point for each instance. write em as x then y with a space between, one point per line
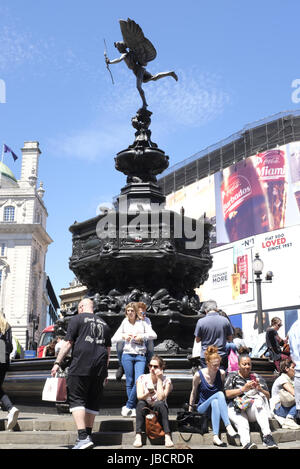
231 279
259 194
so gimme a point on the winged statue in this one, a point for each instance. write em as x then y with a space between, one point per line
136 51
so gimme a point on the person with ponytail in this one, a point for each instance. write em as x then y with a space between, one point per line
207 391
6 348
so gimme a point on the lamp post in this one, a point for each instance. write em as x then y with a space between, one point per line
258 266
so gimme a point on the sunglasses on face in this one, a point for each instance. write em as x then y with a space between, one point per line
153 366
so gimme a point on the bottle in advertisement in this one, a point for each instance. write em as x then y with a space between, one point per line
295 172
235 284
242 268
244 204
235 277
271 169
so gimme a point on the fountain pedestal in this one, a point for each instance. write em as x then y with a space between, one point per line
143 252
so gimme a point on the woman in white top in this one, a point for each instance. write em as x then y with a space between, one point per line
286 415
152 392
134 333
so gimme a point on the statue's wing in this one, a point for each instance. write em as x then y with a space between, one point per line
136 41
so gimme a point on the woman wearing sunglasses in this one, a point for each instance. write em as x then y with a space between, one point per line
152 391
134 333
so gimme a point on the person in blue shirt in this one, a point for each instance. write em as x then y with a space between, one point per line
213 329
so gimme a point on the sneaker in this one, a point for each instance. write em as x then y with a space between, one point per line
269 442
250 446
119 373
138 441
12 418
133 413
125 412
83 444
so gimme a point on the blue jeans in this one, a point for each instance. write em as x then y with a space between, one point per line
149 352
282 411
218 405
134 366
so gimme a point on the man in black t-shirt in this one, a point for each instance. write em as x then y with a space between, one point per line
90 340
274 342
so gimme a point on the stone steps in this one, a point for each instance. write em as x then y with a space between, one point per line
65 440
59 432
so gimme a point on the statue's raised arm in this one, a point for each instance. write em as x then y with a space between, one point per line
136 51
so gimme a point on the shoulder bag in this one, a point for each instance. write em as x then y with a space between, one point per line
154 428
286 398
192 422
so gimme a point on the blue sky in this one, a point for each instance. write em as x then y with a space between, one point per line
236 62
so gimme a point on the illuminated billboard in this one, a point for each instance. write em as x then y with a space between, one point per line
259 194
231 281
256 195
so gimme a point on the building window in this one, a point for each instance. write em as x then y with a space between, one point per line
2 249
37 217
9 213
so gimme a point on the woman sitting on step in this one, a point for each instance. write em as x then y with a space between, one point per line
208 390
152 392
283 402
248 397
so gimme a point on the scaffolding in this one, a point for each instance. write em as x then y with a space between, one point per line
276 130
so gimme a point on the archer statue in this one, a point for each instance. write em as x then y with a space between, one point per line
141 51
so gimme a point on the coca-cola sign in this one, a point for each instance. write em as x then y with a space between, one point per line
237 191
270 165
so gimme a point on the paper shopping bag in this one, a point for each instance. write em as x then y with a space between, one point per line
55 390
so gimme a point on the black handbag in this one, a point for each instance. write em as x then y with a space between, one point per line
192 422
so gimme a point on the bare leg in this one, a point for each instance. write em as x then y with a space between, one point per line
79 417
139 81
89 419
158 76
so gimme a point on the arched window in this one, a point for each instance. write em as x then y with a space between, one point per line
9 213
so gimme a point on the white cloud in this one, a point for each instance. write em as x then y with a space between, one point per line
194 100
97 142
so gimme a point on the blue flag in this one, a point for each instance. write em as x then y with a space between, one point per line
6 149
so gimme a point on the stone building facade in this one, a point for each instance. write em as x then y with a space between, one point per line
23 246
71 295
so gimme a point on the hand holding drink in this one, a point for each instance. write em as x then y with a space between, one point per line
271 169
243 201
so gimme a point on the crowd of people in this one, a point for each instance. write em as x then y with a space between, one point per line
223 388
